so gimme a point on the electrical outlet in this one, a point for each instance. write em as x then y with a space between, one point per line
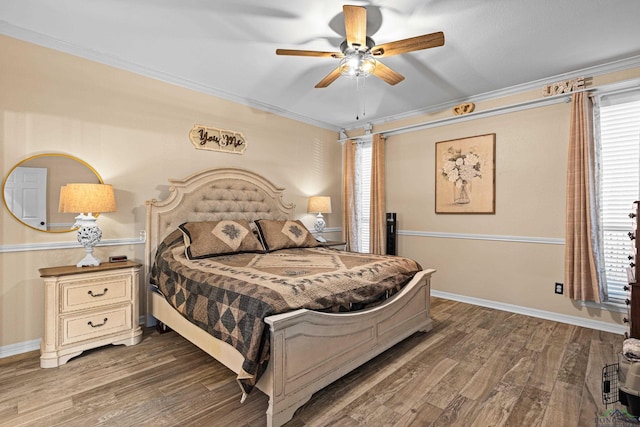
559 288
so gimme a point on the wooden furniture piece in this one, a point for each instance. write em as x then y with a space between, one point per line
88 307
309 350
334 244
632 276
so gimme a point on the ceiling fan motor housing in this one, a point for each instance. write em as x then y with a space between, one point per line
344 46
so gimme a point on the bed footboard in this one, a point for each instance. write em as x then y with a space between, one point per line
311 350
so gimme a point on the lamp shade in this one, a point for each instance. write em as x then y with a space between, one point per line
319 204
87 198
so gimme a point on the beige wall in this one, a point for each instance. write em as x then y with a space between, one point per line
530 201
531 156
134 131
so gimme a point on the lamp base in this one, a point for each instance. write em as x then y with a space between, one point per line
89 234
88 261
318 226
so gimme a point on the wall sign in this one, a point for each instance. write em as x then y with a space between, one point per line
563 87
466 108
207 138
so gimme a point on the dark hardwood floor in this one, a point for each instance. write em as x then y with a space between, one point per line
477 367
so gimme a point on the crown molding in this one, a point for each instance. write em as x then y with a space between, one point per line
120 63
611 67
44 40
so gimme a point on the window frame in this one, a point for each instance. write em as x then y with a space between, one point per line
362 192
613 208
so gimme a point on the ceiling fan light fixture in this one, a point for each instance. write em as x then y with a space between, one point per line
357 64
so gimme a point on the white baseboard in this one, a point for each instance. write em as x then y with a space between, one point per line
533 312
19 348
27 346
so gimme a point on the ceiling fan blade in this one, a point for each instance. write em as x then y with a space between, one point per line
330 78
387 74
409 45
293 52
355 24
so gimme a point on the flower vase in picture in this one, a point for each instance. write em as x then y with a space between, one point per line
460 169
465 175
461 193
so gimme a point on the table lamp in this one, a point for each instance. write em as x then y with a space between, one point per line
319 205
87 200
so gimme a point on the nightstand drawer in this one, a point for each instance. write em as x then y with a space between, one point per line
96 324
88 307
83 294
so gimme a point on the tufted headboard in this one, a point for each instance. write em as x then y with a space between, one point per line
213 195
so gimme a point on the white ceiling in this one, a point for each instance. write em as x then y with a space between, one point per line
227 48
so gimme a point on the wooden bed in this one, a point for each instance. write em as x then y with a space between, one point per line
309 349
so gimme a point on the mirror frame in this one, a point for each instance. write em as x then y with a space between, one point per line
21 163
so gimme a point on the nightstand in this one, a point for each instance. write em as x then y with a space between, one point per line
88 307
332 243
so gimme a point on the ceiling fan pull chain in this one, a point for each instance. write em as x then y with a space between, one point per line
360 96
364 98
357 98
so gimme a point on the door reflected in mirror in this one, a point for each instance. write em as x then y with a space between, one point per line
31 190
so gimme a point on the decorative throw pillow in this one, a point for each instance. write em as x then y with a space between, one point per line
284 234
212 238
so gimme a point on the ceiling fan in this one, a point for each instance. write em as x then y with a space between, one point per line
359 54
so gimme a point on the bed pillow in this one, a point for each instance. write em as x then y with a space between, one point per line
213 238
276 235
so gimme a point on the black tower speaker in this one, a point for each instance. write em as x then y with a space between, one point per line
391 233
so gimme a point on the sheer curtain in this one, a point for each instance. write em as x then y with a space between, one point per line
349 225
377 220
362 199
581 271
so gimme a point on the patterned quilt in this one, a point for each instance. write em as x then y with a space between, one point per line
229 296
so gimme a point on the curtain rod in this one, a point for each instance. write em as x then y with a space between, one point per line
535 103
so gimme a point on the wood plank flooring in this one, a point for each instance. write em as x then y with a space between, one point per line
478 367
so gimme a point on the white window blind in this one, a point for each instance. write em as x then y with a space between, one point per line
363 194
619 183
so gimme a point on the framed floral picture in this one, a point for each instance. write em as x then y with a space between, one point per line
465 175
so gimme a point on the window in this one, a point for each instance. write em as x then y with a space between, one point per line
363 195
619 123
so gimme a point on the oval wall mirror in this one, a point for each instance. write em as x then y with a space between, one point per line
31 190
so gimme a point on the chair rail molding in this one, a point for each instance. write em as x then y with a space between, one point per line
490 237
26 247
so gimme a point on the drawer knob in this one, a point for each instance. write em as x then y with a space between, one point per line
98 295
97 325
